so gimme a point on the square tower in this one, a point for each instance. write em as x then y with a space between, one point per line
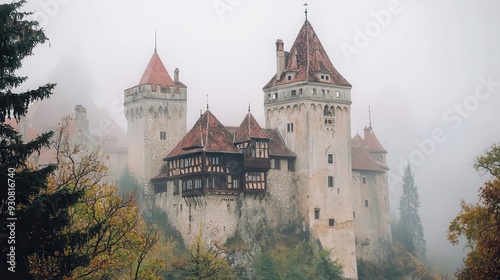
156 119
308 101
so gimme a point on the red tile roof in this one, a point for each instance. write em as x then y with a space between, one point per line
307 58
249 129
362 160
357 140
156 73
208 135
371 141
277 146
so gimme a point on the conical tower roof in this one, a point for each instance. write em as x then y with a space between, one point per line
156 73
308 58
250 129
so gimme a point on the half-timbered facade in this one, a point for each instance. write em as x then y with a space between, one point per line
214 159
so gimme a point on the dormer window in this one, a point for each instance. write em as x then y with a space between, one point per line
324 77
289 77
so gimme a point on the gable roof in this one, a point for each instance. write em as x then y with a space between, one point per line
207 135
156 73
249 129
307 58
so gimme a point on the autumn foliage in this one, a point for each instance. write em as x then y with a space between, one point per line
479 224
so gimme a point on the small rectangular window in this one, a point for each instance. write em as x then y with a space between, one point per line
294 93
314 91
176 187
291 165
276 163
366 202
289 77
337 94
316 213
330 181
327 77
364 180
163 135
331 222
289 127
330 158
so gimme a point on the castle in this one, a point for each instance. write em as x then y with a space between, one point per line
303 165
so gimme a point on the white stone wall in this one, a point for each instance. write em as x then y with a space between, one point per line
372 224
312 140
222 216
148 113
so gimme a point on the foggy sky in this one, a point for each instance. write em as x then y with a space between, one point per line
419 69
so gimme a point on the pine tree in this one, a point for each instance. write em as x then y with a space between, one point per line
37 215
127 183
411 231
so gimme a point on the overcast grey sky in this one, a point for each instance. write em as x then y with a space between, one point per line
427 69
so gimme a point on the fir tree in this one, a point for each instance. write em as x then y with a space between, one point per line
127 183
411 232
40 215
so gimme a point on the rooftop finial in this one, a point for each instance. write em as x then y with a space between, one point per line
207 102
369 116
155 40
249 107
305 10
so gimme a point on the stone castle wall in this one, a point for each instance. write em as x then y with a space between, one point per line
371 211
222 216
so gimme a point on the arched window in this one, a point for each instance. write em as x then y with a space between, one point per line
327 112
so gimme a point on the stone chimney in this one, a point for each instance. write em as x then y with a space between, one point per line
81 117
280 58
176 75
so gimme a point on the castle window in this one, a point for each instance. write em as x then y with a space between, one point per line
254 177
176 187
364 180
331 222
366 202
330 181
234 182
337 94
289 127
327 77
322 77
314 91
163 135
330 158
294 93
316 213
276 163
289 77
215 160
323 91
275 96
291 165
300 91
197 183
326 111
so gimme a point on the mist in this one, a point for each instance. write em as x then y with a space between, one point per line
430 72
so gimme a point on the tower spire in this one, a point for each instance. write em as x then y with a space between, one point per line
155 40
305 9
369 117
